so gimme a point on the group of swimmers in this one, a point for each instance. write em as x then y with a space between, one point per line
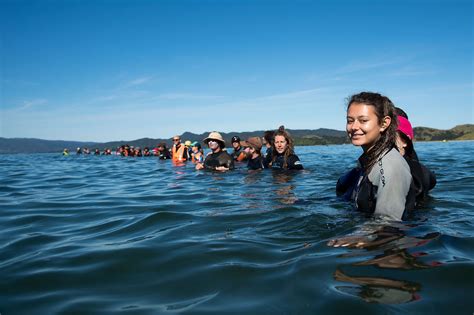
389 180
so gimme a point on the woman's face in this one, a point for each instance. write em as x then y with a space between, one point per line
280 144
363 127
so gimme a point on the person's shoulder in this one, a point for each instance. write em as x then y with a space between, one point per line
393 157
294 161
224 153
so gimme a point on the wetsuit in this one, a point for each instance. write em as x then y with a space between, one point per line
221 158
255 164
164 155
293 162
423 179
239 155
387 190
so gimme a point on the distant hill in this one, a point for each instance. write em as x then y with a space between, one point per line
30 145
301 137
460 132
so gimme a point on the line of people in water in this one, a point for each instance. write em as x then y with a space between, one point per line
388 181
279 152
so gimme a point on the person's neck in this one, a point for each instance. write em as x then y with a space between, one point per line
217 150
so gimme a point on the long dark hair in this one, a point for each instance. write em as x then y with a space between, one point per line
289 148
383 107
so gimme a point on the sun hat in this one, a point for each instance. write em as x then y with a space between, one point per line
404 126
235 139
254 142
214 136
187 143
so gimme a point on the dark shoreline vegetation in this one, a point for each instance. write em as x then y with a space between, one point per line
302 137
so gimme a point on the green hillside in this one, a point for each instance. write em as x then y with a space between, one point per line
460 132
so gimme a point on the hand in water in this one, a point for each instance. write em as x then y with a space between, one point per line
222 168
354 241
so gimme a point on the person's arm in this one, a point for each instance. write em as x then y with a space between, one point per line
242 157
294 163
392 178
347 181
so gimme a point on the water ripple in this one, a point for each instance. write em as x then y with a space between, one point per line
108 235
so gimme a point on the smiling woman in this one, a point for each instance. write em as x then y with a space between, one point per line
382 182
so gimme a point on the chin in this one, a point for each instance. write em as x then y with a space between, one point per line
357 142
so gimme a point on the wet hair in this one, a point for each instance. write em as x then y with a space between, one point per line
268 136
383 107
400 112
289 148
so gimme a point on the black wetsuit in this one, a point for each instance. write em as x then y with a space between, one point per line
423 179
236 153
255 164
221 158
293 162
164 155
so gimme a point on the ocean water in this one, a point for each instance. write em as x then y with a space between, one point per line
112 235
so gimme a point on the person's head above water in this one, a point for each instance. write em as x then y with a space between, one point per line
404 139
371 123
235 142
213 139
268 138
254 143
176 140
283 142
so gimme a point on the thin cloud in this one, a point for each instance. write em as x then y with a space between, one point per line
358 66
410 72
188 96
138 81
32 103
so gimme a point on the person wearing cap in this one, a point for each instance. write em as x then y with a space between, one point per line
189 147
218 159
238 154
253 147
283 155
423 179
197 155
179 152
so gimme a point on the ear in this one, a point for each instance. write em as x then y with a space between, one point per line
386 121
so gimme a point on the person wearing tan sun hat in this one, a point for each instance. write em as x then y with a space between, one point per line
218 159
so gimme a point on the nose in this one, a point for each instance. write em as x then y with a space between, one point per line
355 125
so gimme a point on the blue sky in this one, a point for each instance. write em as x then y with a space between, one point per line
123 70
